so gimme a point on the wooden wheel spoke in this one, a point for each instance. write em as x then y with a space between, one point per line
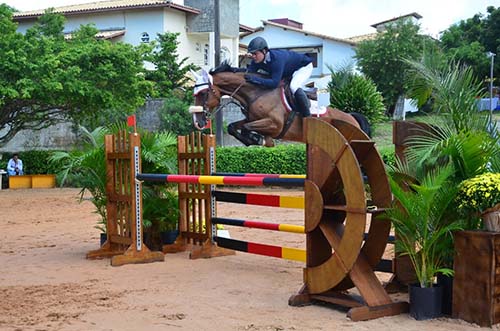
331 234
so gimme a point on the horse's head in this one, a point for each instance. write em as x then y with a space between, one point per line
207 98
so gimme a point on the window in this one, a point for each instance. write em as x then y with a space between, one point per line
312 52
205 54
314 57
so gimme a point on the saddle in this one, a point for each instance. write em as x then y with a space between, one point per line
289 100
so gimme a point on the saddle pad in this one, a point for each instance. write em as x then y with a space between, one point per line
317 110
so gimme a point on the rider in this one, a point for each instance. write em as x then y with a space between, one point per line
280 64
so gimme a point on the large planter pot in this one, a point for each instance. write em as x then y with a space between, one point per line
425 302
491 221
168 237
446 283
103 237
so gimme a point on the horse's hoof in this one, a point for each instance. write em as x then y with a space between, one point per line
268 142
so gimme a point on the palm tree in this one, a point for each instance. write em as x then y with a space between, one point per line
461 135
417 217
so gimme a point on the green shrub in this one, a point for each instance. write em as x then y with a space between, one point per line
282 159
388 155
34 162
351 92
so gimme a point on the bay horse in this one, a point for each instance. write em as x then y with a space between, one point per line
266 114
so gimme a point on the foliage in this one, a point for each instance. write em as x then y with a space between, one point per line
160 208
170 72
478 194
388 155
34 162
354 93
417 215
45 79
282 159
174 116
469 40
452 87
462 135
86 167
381 59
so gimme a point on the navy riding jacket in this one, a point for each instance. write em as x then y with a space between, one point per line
282 65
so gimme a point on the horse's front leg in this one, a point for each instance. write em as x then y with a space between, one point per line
237 130
265 127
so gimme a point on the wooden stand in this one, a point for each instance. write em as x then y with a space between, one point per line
124 221
476 286
196 156
335 220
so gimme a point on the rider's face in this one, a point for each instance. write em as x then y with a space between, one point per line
258 56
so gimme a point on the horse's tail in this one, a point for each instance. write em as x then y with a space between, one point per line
363 123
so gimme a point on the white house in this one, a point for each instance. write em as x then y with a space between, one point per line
325 50
139 21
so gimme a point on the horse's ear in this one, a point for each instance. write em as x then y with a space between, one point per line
206 76
196 76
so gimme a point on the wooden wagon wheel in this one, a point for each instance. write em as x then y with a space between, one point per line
338 254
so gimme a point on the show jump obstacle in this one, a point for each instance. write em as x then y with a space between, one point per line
124 204
339 256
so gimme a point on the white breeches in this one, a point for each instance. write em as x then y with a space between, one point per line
300 77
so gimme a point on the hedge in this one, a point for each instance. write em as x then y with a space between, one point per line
282 159
34 162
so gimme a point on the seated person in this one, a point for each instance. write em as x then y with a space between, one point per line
15 166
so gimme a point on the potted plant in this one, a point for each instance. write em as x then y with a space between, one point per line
419 209
85 167
480 197
160 215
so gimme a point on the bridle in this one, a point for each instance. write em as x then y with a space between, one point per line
211 88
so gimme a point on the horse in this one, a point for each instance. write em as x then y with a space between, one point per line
267 116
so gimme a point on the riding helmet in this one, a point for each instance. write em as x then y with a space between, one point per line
257 44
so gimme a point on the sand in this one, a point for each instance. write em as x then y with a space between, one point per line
47 284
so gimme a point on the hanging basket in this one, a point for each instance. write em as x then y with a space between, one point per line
491 219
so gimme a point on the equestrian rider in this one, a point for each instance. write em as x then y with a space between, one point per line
280 64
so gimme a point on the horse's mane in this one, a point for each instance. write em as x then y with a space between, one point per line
225 66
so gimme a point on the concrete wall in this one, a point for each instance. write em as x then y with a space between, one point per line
61 136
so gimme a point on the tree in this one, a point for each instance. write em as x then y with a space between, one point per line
45 79
170 73
469 40
381 59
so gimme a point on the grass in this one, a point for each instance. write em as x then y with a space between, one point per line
382 132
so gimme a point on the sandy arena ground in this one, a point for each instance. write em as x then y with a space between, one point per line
47 284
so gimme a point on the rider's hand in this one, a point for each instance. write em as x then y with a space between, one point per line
251 79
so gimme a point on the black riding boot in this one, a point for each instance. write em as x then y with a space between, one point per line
302 102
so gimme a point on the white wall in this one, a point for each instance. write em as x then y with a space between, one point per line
330 52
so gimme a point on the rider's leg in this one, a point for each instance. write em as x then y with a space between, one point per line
299 78
302 102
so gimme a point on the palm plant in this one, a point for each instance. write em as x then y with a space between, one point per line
420 206
461 135
86 167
